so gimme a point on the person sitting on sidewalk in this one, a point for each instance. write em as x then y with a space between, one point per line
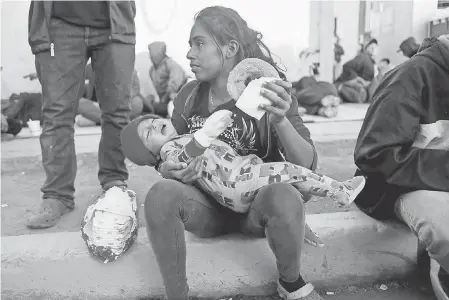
89 112
403 149
219 40
167 75
63 35
384 66
317 97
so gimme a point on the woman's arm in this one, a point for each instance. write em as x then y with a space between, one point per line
295 147
292 136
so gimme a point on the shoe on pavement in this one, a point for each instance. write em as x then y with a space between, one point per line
312 238
307 292
49 214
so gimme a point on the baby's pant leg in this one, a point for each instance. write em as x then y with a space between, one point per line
306 181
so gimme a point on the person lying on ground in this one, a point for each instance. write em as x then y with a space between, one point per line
317 97
89 112
231 179
403 149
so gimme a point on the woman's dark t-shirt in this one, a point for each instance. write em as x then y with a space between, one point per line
243 134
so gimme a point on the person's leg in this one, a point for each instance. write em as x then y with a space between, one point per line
278 213
307 181
90 110
61 77
425 212
113 66
136 106
170 208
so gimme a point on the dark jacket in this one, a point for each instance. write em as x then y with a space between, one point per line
184 102
121 14
362 66
403 144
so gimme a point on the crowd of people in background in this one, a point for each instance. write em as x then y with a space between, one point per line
355 81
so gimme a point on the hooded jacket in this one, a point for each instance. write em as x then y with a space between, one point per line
185 100
167 76
403 144
121 14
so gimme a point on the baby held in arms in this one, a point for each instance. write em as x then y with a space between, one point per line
229 178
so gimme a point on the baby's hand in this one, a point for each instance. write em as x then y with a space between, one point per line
218 122
215 125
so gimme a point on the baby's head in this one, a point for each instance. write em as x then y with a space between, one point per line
143 138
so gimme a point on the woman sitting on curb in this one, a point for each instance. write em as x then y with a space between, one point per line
219 40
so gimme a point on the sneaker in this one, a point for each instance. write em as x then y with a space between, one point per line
312 238
328 111
307 292
348 190
330 100
49 214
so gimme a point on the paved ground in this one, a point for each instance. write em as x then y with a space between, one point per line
22 178
394 291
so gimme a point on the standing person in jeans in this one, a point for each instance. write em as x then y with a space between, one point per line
403 151
63 35
220 39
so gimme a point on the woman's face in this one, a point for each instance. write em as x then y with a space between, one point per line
206 59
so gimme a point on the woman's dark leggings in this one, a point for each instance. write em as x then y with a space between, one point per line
171 207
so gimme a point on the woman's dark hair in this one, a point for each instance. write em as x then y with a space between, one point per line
225 24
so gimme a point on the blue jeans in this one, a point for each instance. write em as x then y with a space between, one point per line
62 79
427 215
171 207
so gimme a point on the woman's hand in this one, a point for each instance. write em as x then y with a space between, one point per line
279 93
181 171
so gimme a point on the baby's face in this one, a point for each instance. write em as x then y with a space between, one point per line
154 133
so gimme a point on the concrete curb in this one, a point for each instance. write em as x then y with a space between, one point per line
58 266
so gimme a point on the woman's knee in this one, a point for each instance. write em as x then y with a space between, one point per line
434 234
162 200
279 200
